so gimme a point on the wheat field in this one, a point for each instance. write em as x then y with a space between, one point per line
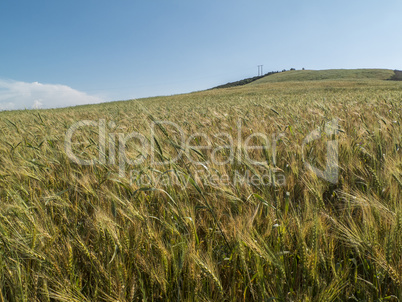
194 229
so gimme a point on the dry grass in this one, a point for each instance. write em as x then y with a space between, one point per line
81 233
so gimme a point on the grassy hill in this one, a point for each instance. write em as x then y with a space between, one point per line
319 75
331 74
185 210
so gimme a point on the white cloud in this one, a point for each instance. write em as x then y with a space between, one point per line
22 95
37 104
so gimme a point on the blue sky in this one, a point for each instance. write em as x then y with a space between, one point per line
61 53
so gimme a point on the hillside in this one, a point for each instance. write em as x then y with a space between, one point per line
331 74
319 75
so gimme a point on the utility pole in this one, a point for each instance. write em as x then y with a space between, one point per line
260 72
